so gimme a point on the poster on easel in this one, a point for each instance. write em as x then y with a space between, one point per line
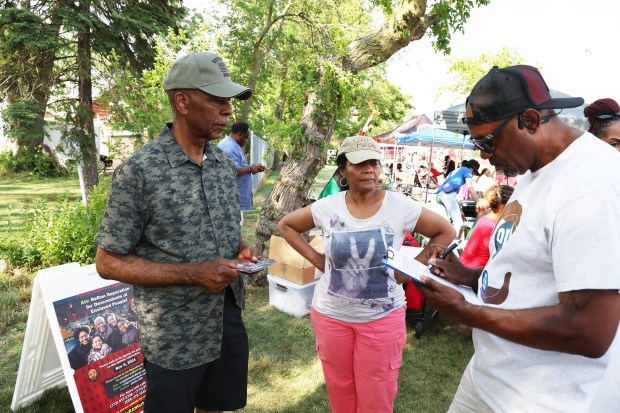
94 330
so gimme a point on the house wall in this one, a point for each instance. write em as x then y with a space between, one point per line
103 138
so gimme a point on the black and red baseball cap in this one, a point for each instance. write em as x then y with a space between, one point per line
507 91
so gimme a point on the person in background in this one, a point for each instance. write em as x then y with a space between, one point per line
449 188
485 180
387 173
434 171
358 308
547 323
465 192
171 228
604 118
400 173
448 166
476 252
234 146
432 178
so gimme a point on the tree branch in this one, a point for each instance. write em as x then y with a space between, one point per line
407 24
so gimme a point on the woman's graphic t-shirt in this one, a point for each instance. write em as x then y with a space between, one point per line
356 286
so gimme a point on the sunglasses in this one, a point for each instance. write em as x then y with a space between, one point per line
608 116
484 143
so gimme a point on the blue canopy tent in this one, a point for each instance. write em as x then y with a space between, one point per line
435 137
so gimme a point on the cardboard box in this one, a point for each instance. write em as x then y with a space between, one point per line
289 297
291 265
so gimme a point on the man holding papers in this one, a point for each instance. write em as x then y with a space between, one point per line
548 323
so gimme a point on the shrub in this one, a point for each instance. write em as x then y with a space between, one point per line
44 166
34 162
7 162
60 233
18 255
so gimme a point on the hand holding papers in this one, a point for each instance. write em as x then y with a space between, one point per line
247 266
413 269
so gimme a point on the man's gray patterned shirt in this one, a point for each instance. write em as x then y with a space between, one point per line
164 207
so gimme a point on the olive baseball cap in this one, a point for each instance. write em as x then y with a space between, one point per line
205 71
358 149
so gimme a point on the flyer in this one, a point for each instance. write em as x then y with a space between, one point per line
100 333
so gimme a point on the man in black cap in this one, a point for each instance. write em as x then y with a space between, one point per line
547 323
172 230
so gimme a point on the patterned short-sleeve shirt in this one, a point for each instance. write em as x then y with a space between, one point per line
164 207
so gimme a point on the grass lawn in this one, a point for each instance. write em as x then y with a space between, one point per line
16 193
284 373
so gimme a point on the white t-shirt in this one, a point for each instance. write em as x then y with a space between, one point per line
558 233
356 286
607 397
484 182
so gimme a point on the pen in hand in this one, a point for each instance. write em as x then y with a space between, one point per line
448 250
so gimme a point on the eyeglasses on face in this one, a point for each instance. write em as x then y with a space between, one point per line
484 143
608 116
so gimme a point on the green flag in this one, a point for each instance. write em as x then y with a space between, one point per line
333 185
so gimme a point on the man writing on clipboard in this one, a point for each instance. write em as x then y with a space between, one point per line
548 325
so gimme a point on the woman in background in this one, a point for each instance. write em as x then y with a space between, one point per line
358 307
476 252
604 118
485 180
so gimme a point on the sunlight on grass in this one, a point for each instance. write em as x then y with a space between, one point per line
285 374
16 195
297 384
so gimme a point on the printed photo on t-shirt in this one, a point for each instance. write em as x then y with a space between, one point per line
356 268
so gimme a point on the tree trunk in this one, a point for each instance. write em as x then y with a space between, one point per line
38 126
276 160
88 147
299 171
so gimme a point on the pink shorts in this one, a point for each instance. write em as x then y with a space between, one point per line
361 361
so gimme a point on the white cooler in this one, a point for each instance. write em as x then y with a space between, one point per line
289 297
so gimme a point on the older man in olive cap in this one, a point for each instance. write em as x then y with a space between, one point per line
172 230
